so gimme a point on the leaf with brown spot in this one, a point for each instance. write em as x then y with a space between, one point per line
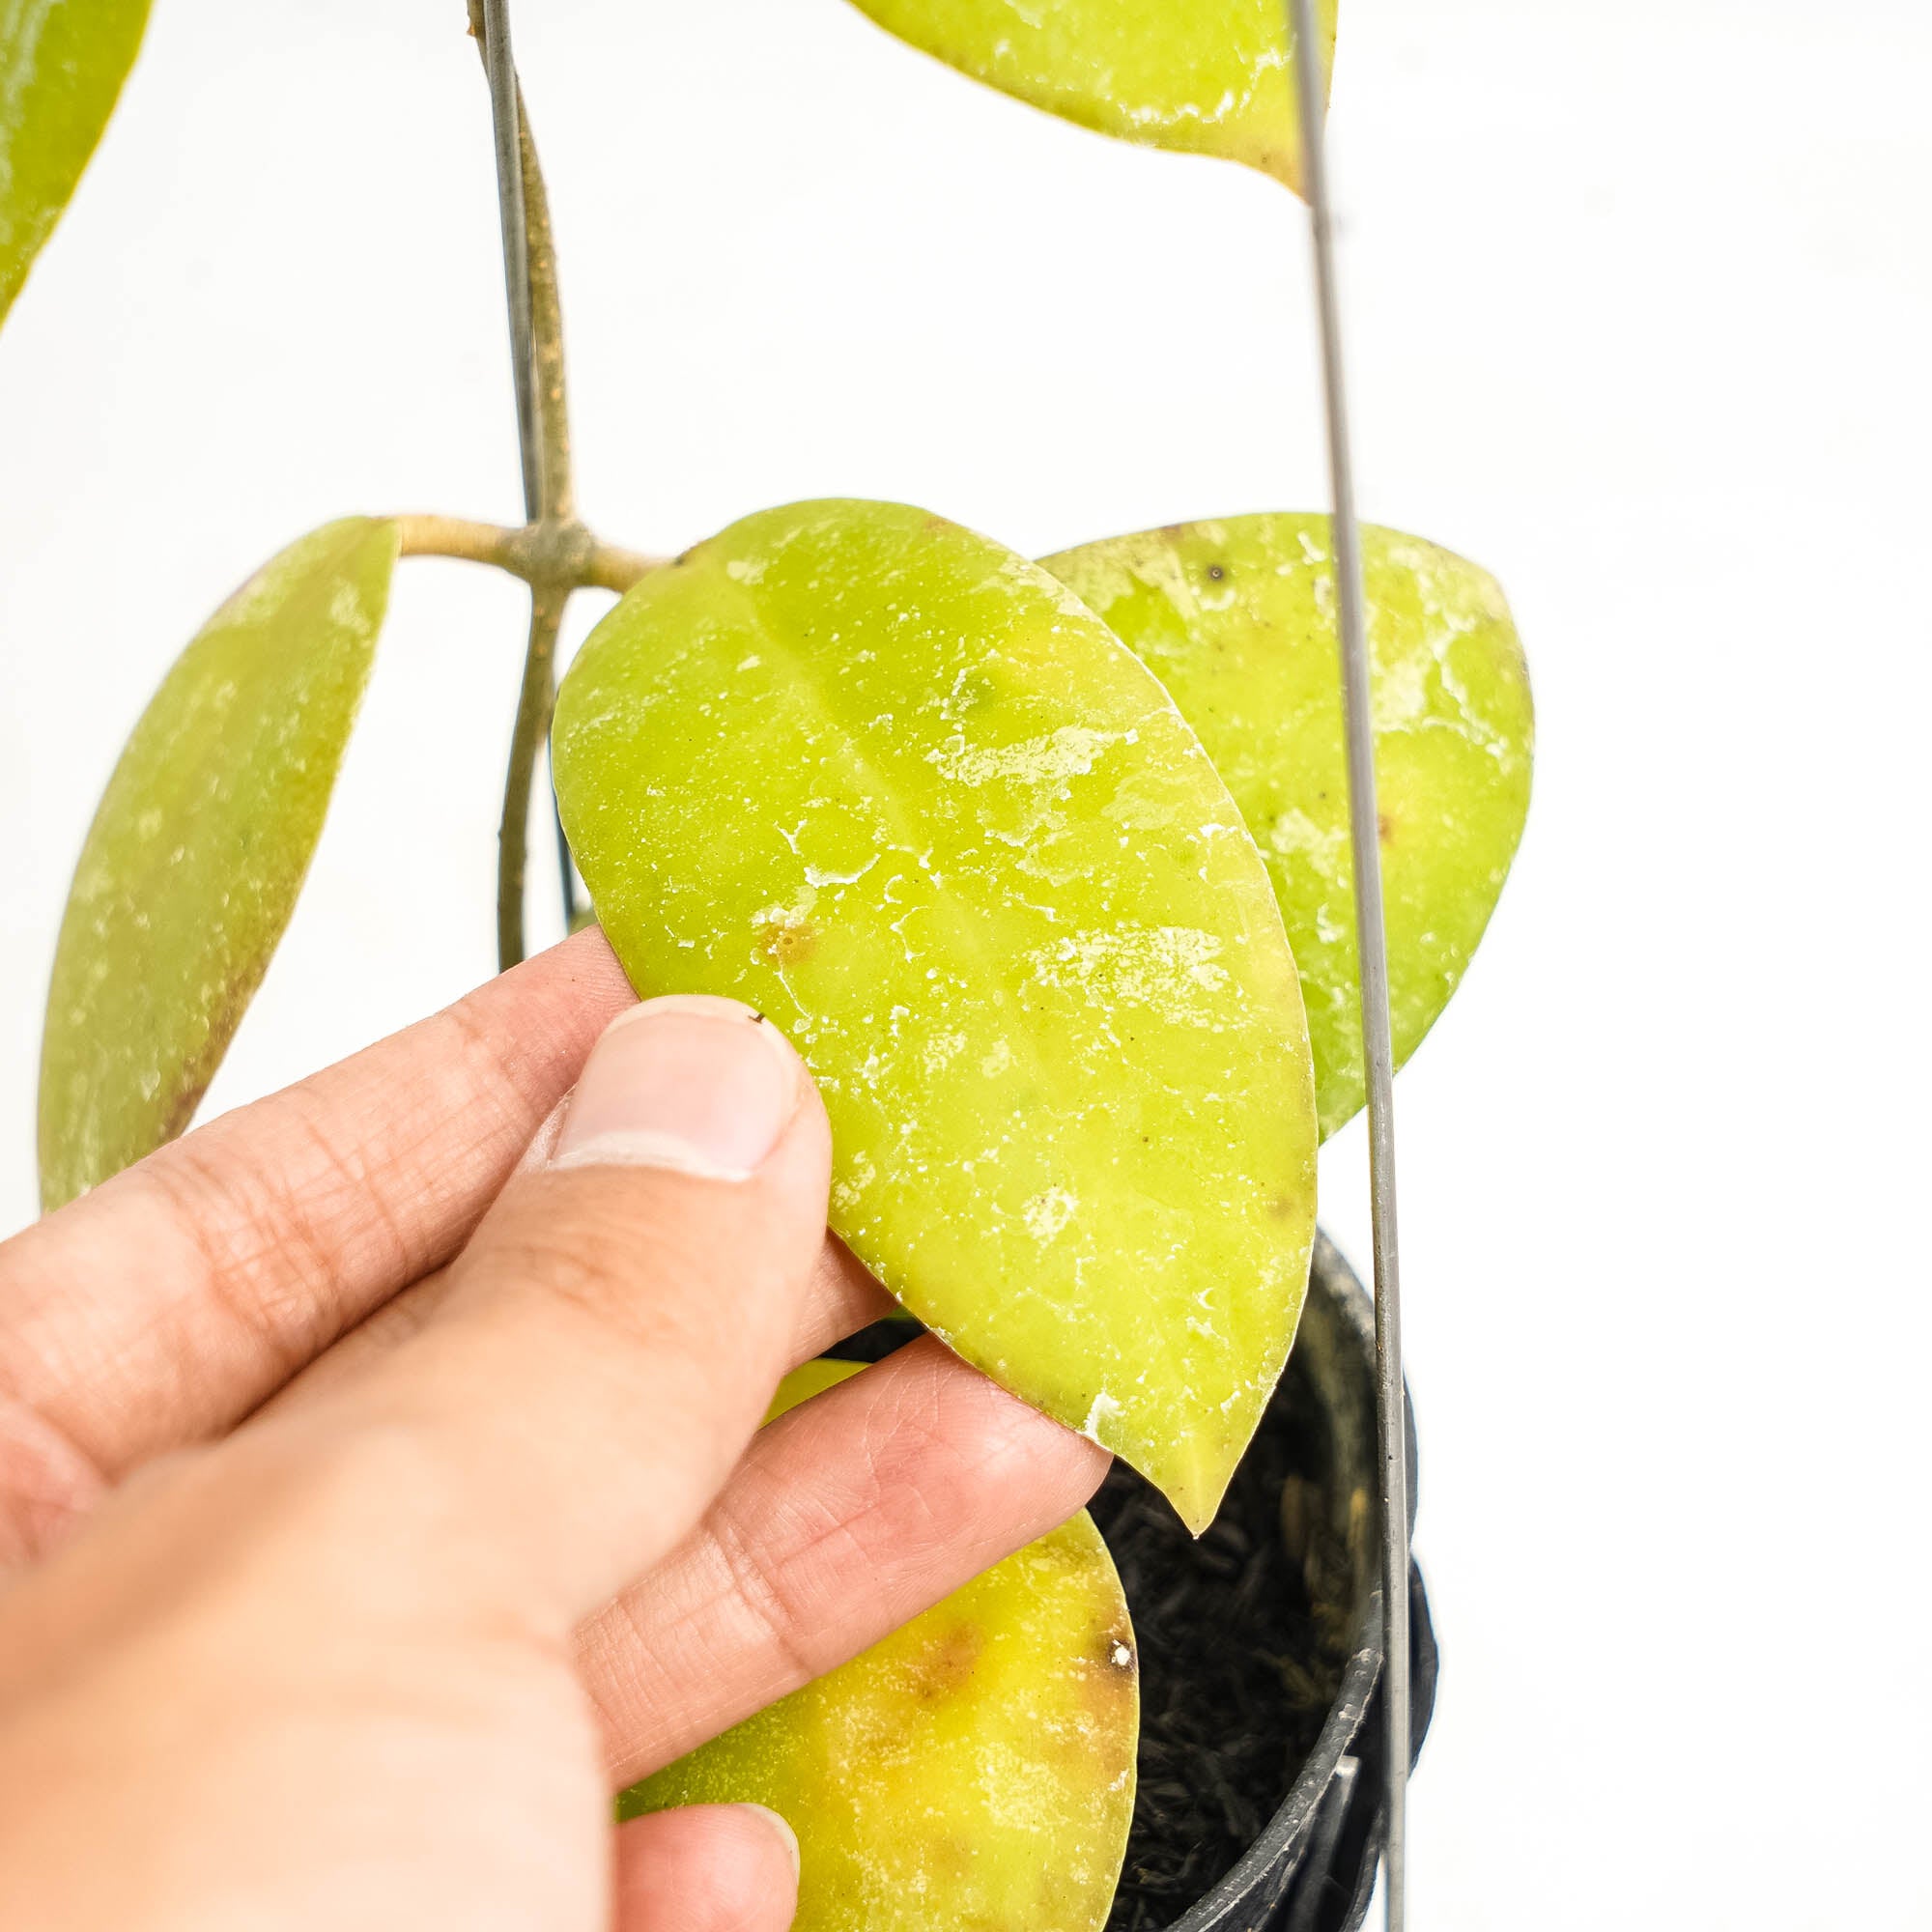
974 1769
891 783
1236 617
198 850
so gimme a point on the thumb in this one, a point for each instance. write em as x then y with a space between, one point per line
612 1333
708 1868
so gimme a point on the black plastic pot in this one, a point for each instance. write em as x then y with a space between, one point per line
1313 1867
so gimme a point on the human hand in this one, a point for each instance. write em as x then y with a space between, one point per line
376 1497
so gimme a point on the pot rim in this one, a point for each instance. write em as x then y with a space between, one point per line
1234 1892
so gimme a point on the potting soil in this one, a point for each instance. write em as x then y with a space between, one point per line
1238 1666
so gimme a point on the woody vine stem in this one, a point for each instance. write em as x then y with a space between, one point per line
553 552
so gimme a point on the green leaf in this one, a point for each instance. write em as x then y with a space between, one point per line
198 850
62 63
897 787
1207 76
973 1769
1236 619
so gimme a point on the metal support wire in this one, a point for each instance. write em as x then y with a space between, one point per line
501 66
1371 947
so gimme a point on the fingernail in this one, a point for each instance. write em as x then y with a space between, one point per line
781 1828
700 1085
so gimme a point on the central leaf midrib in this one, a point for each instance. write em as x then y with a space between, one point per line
819 704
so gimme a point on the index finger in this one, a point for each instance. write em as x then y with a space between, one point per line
170 1302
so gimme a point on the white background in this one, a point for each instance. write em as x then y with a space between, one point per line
1640 300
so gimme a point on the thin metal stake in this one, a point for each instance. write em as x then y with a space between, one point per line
501 66
1372 947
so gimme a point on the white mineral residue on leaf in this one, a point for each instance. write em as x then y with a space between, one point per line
1160 569
1105 1409
1069 751
346 609
1400 696
744 569
1170 970
795 913
1065 600
1046 1213
824 875
850 1186
1019 1791
1294 832
262 596
940 1051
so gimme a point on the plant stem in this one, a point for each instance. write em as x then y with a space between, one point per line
534 703
568 552
557 503
543 430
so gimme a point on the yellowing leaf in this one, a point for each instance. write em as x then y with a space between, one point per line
973 1769
808 1379
198 850
62 63
1208 76
897 787
1236 619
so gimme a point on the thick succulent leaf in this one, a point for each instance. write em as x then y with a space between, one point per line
62 63
899 788
198 849
1236 619
808 1379
1208 76
973 1769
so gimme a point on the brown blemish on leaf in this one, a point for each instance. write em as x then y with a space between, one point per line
946 1663
787 942
1384 828
951 1857
1112 1677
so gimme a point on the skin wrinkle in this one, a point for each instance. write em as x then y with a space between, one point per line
659 1314
32 1341
387 1247
47 1484
262 1319
715 1572
841 1299
761 1588
387 1325
910 1463
201 1332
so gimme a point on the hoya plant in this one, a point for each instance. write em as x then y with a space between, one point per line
1042 864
